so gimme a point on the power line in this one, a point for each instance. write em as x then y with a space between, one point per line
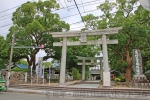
59 8
66 16
5 18
61 3
5 15
79 11
9 9
20 5
60 18
66 5
6 25
82 5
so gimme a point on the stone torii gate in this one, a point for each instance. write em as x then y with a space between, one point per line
84 63
83 35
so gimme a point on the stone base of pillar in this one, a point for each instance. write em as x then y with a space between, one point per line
106 87
142 76
61 85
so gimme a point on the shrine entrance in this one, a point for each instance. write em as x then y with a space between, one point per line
83 35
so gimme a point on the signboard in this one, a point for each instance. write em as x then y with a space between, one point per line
137 62
39 67
83 37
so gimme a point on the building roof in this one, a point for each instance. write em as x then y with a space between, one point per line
22 66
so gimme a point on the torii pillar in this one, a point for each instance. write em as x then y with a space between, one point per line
84 63
101 69
106 73
83 71
63 62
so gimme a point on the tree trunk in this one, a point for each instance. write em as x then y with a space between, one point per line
128 74
128 68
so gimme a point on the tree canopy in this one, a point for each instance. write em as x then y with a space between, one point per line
32 23
134 21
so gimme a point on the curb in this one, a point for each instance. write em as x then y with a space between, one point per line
76 94
27 91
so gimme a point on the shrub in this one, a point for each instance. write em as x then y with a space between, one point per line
122 78
75 73
20 70
117 79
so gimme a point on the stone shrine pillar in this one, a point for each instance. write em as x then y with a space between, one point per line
101 69
137 64
106 73
63 62
83 71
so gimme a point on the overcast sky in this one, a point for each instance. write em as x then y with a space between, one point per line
7 7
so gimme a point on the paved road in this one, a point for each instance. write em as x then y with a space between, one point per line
24 96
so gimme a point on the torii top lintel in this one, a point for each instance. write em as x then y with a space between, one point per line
88 33
88 58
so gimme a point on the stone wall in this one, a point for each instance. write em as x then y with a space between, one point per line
25 78
17 78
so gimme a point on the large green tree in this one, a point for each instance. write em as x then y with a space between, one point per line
32 22
132 36
134 33
4 54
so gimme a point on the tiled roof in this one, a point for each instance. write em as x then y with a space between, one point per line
22 66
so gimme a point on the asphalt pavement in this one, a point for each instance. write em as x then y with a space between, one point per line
25 96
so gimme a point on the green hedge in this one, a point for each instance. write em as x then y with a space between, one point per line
75 73
20 70
120 78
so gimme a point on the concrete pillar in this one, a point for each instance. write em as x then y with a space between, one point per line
101 69
106 73
83 70
89 77
63 63
26 76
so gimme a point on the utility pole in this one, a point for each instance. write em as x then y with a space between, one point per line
10 62
11 55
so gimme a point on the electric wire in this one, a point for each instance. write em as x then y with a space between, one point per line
58 0
69 16
63 8
60 18
9 9
5 18
66 5
82 6
63 17
6 15
6 25
66 17
79 11
61 4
